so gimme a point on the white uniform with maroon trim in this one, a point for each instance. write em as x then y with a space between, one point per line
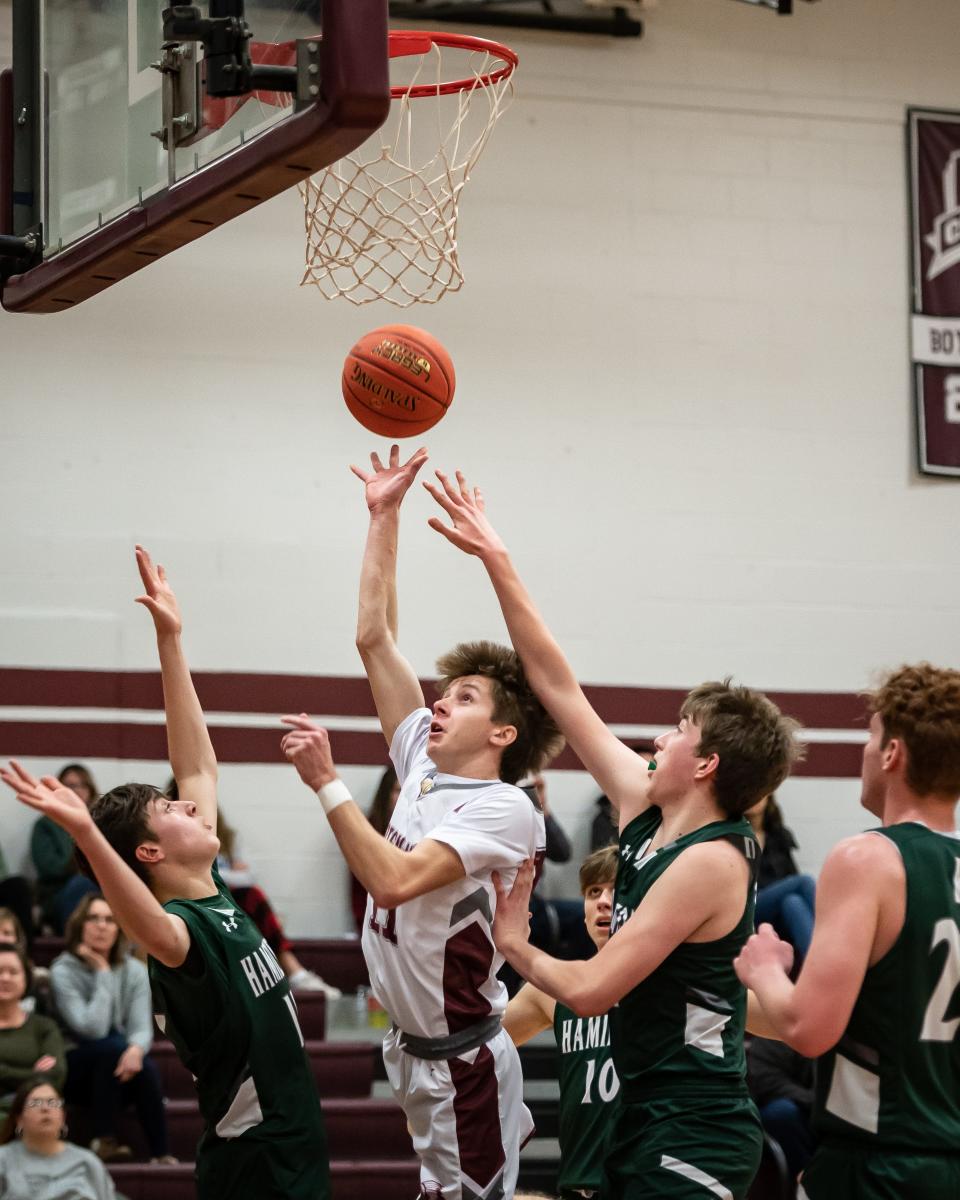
433 967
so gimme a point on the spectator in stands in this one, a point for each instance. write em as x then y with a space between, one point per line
35 1161
29 1044
253 900
781 1083
379 814
16 893
60 884
556 925
603 828
103 996
785 898
38 997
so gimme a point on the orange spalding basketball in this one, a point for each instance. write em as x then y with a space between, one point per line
398 381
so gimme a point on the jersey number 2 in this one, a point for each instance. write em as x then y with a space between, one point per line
388 926
935 1026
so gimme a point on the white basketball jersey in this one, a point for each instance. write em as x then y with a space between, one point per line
432 961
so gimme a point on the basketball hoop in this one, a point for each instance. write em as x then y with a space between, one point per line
381 223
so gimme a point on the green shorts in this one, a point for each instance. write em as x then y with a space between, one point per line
841 1172
685 1149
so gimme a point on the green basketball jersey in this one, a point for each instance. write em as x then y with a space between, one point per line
229 1013
893 1079
588 1091
682 1026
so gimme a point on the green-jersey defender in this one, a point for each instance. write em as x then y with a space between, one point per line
878 999
224 998
730 748
589 1087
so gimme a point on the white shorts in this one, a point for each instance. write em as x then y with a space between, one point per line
466 1116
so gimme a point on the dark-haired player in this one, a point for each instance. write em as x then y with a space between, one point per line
878 998
684 903
589 1087
221 995
427 935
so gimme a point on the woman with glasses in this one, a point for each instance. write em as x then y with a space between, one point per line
102 994
29 1044
35 1162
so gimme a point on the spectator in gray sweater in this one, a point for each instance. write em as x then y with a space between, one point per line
36 1163
102 995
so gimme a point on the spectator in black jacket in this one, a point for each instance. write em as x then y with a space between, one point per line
785 898
781 1083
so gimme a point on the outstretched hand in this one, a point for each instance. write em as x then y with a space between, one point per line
49 797
472 532
511 921
158 597
387 486
307 746
761 951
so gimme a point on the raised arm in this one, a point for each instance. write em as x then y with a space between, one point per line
188 740
615 767
142 919
394 683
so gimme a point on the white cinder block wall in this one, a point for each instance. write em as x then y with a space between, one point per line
683 381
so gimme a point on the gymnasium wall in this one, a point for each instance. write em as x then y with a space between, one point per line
682 380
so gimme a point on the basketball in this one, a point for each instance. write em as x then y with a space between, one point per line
398 381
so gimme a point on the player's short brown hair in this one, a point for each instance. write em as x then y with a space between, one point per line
123 817
538 738
755 742
598 867
920 704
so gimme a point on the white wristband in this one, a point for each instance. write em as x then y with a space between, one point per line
333 794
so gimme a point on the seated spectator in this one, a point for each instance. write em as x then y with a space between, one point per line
38 996
238 877
785 898
16 894
102 994
29 1044
604 829
381 810
781 1083
60 884
35 1161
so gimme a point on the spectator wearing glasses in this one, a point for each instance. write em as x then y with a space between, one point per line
102 994
35 1161
29 1044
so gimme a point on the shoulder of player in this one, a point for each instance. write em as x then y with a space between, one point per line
715 855
867 857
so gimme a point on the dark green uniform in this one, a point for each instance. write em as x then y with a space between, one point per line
686 1126
588 1096
888 1094
229 1013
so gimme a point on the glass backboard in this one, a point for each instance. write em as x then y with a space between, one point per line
101 165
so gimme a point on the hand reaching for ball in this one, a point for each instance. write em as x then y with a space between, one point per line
387 486
472 532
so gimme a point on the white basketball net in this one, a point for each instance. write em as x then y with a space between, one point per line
381 223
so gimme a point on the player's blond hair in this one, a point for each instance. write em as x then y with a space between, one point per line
920 704
756 744
538 739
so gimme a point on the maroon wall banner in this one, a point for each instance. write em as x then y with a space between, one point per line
934 147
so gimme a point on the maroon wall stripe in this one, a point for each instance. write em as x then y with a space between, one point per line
349 696
236 744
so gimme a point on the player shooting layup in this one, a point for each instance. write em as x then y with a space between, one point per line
878 999
224 998
427 934
684 903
